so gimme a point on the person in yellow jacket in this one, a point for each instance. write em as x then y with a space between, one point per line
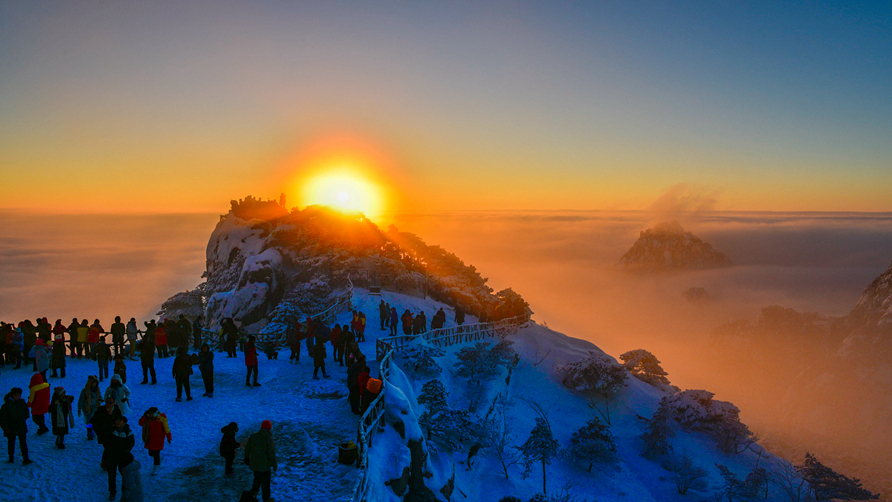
82 331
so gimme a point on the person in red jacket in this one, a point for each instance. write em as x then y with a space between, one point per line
251 361
161 339
154 430
59 331
39 402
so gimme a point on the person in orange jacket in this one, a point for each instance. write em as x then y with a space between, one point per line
154 430
39 402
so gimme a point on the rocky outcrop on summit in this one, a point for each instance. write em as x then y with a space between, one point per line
268 266
668 247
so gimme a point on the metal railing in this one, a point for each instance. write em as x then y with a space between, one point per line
373 419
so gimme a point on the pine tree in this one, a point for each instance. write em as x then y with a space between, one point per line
645 366
594 443
540 447
433 396
596 376
659 432
827 484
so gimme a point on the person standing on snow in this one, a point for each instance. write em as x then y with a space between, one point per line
41 357
131 331
260 456
229 332
89 403
59 331
117 331
102 354
228 445
383 314
251 361
206 367
120 393
61 415
182 370
319 360
14 422
120 443
154 430
196 333
147 356
161 339
394 319
39 402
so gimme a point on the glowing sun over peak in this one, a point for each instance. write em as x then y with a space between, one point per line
345 189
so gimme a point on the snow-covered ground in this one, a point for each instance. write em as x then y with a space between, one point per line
310 417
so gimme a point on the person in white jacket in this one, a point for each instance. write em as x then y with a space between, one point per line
120 393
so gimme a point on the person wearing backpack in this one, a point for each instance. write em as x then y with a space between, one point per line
260 456
155 429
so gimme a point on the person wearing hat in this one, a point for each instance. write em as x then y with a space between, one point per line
61 415
41 357
14 422
228 445
260 456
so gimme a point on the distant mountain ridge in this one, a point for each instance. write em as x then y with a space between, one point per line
666 247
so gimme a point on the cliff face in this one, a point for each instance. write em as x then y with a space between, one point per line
873 312
668 247
266 265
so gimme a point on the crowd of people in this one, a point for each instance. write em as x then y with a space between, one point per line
44 347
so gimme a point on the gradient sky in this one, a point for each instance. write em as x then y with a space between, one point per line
172 106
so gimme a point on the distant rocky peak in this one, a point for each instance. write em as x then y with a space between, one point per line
874 309
667 246
667 227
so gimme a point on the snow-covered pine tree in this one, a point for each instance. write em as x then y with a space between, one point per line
658 432
453 427
687 474
420 360
827 484
596 376
540 447
645 366
434 396
593 443
476 363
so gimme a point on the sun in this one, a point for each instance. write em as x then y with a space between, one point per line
343 188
